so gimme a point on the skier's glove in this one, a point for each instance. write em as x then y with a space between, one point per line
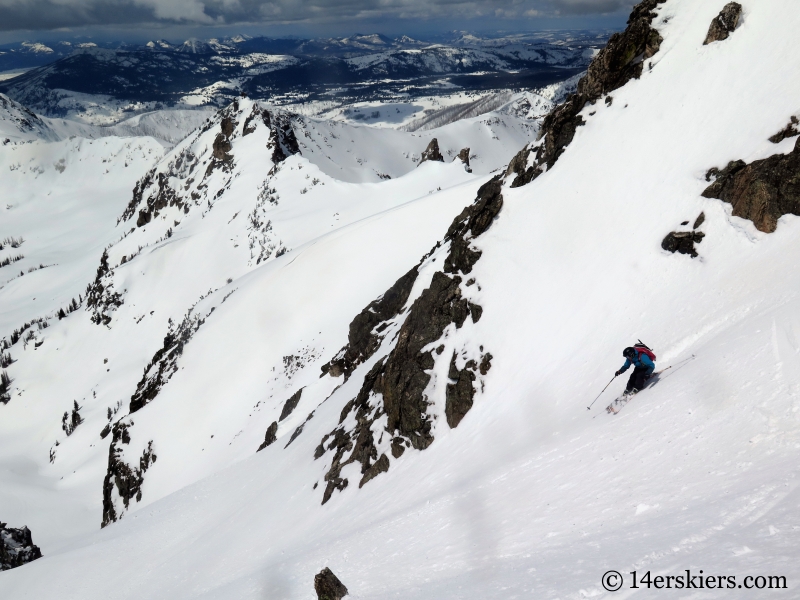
617 373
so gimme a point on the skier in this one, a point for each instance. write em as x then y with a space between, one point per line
641 357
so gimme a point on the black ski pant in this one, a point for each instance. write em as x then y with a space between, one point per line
637 379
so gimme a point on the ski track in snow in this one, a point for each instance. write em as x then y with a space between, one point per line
530 496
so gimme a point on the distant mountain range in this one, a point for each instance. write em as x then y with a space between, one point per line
196 72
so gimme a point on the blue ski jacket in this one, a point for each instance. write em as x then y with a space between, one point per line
642 361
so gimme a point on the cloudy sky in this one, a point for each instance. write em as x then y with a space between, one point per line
320 17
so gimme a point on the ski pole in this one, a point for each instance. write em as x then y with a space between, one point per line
601 393
675 365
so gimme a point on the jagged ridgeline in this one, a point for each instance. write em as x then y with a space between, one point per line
198 174
624 58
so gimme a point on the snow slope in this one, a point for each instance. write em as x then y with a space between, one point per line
361 153
530 495
63 199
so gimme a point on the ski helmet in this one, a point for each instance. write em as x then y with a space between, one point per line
629 352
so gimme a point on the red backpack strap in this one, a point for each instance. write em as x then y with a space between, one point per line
646 351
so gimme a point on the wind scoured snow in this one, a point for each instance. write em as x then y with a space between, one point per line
530 496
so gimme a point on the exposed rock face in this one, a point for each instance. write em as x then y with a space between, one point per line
270 436
472 222
724 23
124 479
432 152
291 404
620 61
16 547
790 130
328 586
163 365
461 393
394 389
222 145
762 191
463 156
183 184
365 337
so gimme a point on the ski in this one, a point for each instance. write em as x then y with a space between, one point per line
617 404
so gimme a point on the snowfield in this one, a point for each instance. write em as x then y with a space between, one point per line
219 318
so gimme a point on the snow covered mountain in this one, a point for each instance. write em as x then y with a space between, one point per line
213 72
277 368
18 123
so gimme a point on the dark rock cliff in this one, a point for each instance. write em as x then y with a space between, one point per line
394 388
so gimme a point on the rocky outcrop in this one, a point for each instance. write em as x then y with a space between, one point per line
366 329
622 59
432 152
270 437
724 23
762 191
393 391
792 129
291 404
123 482
17 547
282 136
463 156
460 394
182 183
163 365
328 586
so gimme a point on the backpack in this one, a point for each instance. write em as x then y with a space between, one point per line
642 348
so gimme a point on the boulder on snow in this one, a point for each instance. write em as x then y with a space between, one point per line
682 242
762 191
432 152
16 547
328 586
724 23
